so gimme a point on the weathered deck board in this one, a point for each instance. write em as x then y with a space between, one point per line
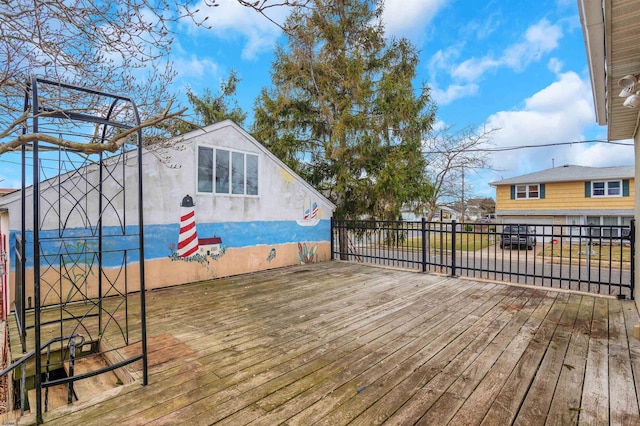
339 343
535 408
594 408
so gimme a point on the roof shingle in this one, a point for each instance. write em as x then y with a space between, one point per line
571 173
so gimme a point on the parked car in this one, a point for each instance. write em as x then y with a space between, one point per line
490 218
518 235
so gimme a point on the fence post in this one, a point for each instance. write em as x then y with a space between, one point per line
453 248
424 244
632 238
331 240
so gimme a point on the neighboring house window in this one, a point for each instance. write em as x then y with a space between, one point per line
608 226
574 221
607 188
524 192
233 172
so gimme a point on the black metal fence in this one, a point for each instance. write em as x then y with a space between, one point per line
596 259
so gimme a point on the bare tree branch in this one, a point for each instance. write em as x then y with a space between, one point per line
448 153
119 47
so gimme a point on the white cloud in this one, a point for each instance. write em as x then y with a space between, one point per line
230 20
472 69
561 112
405 17
539 39
604 154
555 65
453 92
194 67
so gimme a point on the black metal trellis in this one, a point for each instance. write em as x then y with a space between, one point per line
86 239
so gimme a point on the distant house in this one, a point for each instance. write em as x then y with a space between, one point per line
229 207
571 195
444 213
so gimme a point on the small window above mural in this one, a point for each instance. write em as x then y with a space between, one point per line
227 172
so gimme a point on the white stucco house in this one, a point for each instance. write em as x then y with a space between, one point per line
227 206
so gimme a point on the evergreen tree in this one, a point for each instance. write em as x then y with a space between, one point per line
210 108
343 112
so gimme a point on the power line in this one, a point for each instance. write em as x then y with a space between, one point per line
513 148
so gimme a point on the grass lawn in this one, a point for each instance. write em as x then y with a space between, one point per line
604 253
468 242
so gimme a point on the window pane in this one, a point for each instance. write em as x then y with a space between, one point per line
613 222
521 191
222 171
598 189
237 173
252 174
614 188
205 169
594 220
533 191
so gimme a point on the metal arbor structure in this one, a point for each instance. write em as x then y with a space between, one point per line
85 242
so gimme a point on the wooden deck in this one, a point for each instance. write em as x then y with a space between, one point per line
340 343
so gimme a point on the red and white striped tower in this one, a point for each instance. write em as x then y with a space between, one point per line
188 240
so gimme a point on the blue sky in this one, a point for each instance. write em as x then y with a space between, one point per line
518 66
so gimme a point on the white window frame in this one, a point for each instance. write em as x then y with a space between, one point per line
528 191
231 152
621 221
606 189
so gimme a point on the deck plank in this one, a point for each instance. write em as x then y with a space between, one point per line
372 378
477 330
536 405
622 397
339 343
565 404
507 403
471 395
594 407
483 333
632 318
371 336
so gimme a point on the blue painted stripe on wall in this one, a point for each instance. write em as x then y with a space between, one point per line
161 239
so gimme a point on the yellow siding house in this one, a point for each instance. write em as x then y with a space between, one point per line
568 195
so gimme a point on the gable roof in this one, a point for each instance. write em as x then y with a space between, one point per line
12 196
570 173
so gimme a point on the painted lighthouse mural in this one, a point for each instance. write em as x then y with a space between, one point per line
188 240
190 247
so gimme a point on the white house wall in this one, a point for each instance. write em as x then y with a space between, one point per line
257 232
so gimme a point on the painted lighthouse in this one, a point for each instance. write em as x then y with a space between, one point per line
188 239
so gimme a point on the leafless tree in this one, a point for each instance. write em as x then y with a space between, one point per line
118 47
451 154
